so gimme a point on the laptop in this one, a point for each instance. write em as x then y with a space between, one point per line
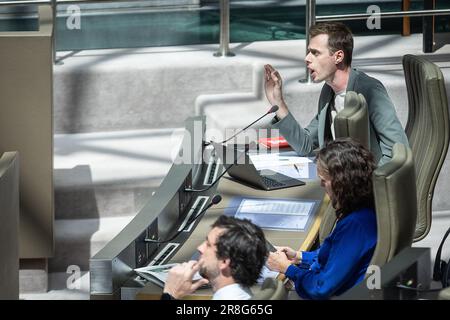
244 170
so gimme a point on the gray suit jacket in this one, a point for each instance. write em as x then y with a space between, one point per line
385 128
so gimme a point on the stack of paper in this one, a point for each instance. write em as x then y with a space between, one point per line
276 213
287 163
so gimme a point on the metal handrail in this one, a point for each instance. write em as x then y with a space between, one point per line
36 2
224 50
22 3
395 14
360 16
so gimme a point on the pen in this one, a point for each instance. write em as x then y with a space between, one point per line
296 168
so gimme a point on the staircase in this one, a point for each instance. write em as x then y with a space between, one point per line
118 120
112 109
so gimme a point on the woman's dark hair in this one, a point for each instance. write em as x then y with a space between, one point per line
349 165
245 245
339 38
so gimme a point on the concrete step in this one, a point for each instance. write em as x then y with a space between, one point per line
134 89
77 240
110 174
127 89
378 56
63 286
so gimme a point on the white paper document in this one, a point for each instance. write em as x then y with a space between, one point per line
158 274
268 206
287 163
276 213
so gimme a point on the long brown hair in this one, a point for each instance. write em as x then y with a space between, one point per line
349 165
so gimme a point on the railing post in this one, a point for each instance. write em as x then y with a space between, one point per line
428 23
224 49
310 20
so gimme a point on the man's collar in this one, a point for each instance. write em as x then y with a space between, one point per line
232 291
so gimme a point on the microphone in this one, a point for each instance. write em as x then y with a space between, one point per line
271 110
215 200
221 175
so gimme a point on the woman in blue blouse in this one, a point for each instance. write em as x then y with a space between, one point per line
345 168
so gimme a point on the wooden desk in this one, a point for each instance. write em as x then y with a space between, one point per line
229 189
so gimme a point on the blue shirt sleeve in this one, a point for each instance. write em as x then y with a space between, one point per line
324 281
309 257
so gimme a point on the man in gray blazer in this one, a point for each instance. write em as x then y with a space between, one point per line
329 59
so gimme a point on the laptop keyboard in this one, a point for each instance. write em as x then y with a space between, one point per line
271 183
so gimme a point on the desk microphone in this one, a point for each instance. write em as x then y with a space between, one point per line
215 200
271 110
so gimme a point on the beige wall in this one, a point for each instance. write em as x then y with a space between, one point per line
26 116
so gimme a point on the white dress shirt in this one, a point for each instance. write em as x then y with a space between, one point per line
338 106
233 291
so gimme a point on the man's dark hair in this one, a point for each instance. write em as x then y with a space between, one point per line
339 38
350 166
245 245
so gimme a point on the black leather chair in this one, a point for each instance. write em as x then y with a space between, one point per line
444 294
427 129
353 120
396 209
272 289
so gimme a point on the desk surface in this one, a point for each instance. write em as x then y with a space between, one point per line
229 189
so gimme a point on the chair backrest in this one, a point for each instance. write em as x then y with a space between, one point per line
352 121
444 294
271 289
394 186
427 129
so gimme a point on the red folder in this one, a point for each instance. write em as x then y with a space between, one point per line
276 142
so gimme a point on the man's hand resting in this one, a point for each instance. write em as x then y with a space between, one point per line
179 281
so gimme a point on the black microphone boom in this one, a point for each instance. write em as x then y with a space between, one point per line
215 200
271 110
